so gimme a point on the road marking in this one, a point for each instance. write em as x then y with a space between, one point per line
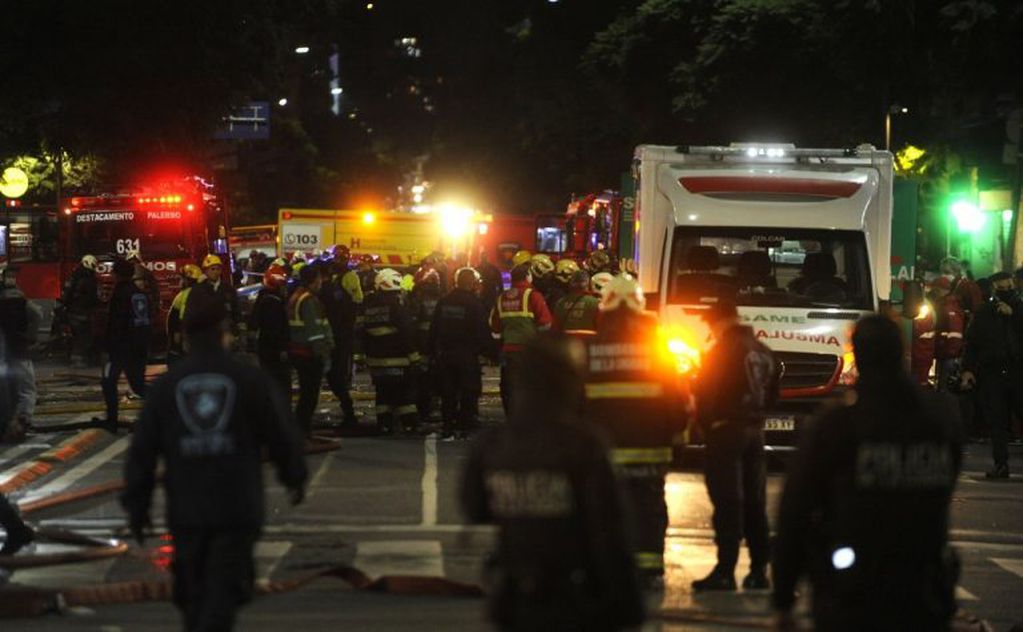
268 555
377 558
430 481
964 595
79 471
1013 565
104 526
10 455
320 473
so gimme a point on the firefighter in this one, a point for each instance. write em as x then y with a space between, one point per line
559 288
922 346
213 288
190 275
342 297
391 354
520 314
311 344
521 257
635 398
579 309
738 382
865 509
458 337
949 329
270 321
78 301
426 291
129 329
970 297
19 326
541 268
598 281
209 421
598 261
545 481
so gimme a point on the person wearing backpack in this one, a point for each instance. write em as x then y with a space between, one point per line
738 382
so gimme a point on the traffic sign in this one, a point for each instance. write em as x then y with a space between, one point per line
246 122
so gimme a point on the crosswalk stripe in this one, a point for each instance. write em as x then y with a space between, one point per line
377 558
429 483
964 595
1013 565
79 471
268 555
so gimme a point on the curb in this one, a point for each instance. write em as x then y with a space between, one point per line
44 463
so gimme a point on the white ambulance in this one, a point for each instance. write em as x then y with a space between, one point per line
801 238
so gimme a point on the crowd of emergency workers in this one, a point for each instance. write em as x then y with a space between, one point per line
594 409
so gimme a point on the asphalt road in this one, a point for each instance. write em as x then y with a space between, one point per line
388 506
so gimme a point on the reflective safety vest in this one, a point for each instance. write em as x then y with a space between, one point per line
388 337
309 328
518 322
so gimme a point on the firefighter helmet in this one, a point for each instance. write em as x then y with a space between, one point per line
565 269
191 271
520 258
426 275
89 262
275 277
211 260
467 279
133 255
297 268
279 261
387 280
540 265
598 261
599 280
622 290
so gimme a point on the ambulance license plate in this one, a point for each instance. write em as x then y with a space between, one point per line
780 424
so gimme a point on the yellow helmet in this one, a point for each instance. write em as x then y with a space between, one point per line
541 265
191 271
211 260
564 270
295 269
408 282
521 257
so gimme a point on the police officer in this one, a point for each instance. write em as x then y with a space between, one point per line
578 310
129 329
458 337
426 291
544 479
79 299
636 400
270 321
190 275
391 355
342 297
559 288
738 381
312 342
520 314
208 420
865 509
213 288
993 362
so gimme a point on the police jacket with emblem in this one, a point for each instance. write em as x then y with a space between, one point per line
738 381
865 510
388 335
547 484
210 418
633 394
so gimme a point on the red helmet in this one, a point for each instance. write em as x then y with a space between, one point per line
274 277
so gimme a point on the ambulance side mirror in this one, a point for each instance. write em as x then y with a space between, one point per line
912 298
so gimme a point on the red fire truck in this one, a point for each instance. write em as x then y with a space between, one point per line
169 224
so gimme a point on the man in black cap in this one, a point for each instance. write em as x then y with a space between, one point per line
993 361
865 509
208 419
738 381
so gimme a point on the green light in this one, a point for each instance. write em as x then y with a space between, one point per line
968 216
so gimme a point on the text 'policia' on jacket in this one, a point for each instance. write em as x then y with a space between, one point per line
633 393
388 335
310 332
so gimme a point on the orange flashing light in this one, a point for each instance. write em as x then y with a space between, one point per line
679 349
76 201
368 218
67 210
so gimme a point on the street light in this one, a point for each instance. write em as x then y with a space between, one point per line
282 101
301 50
893 109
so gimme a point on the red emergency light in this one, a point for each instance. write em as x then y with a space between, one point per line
160 199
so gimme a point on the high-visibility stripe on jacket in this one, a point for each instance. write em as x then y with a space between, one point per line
518 324
310 329
388 335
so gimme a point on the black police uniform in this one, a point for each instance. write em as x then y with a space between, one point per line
129 328
637 400
563 559
207 291
392 360
994 354
342 311
738 382
423 305
458 336
209 420
865 511
270 320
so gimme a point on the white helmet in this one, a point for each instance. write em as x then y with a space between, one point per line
89 262
622 290
387 280
599 280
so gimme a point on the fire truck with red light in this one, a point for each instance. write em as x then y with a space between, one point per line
168 225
